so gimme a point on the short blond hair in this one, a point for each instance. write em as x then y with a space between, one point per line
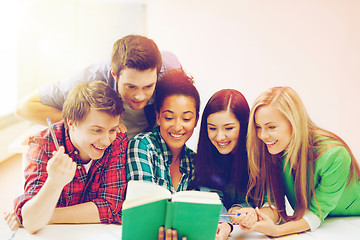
95 95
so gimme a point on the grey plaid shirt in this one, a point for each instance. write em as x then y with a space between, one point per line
149 159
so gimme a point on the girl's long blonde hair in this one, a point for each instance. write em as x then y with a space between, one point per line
265 172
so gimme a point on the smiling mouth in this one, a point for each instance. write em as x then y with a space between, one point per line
270 144
98 148
223 144
137 102
176 136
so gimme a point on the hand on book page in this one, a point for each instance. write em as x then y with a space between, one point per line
148 206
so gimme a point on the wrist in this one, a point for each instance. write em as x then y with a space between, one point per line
231 227
52 185
227 225
277 231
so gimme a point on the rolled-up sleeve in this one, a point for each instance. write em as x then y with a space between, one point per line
35 176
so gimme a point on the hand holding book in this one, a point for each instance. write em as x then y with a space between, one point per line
148 206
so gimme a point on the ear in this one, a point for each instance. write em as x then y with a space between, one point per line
113 74
70 123
157 118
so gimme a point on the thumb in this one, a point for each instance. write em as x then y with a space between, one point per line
260 214
59 152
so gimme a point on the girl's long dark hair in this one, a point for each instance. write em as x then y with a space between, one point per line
209 165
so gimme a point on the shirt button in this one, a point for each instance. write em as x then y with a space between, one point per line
79 167
76 152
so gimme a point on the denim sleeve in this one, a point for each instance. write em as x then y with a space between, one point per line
54 93
223 209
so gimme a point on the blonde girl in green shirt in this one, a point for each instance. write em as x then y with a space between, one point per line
290 156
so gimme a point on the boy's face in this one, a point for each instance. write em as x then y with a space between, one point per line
136 87
93 134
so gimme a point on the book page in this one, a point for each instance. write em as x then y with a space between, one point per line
141 192
196 197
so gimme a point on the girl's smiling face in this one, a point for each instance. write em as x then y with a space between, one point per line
223 131
273 128
177 120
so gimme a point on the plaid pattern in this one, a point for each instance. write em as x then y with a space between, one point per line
149 159
104 184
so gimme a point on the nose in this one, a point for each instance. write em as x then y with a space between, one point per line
263 135
220 135
107 139
140 96
178 125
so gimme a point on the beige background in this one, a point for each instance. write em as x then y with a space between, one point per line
310 45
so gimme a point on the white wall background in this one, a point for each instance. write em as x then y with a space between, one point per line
312 46
59 37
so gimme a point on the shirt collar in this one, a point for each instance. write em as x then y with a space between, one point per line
185 161
71 150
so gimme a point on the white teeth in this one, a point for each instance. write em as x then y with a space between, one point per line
98 147
270 143
223 144
175 135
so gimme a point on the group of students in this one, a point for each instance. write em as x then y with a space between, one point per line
251 158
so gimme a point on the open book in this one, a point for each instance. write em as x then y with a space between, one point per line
148 206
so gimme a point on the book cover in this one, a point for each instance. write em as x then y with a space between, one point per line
148 206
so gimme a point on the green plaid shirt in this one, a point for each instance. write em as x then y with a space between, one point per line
149 159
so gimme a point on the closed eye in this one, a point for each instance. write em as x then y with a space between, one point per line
149 86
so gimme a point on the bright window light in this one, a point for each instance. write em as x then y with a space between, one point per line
8 57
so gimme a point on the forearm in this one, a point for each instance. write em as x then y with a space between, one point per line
37 112
80 213
31 108
292 227
37 212
267 224
270 213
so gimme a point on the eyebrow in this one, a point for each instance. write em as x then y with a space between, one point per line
97 126
265 123
169 111
130 84
223 125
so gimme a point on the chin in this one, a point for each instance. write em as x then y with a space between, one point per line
137 107
274 152
223 151
96 155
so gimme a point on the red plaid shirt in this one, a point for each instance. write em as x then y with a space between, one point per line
104 184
